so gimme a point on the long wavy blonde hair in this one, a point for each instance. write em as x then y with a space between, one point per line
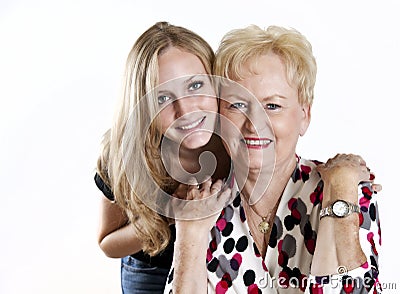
133 142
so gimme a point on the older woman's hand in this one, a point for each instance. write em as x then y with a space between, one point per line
344 172
202 204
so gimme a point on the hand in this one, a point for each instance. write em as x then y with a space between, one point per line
191 202
341 175
349 168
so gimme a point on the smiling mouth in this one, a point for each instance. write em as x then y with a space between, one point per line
192 125
257 143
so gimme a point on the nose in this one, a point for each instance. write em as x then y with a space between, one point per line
257 121
183 106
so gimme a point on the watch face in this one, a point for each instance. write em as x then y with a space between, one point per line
340 208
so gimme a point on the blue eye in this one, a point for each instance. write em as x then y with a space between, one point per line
238 105
195 85
162 99
272 106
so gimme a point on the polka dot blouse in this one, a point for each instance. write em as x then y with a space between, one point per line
234 264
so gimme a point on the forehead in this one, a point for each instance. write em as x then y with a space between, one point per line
175 63
266 76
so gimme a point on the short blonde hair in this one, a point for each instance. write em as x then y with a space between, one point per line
137 130
241 45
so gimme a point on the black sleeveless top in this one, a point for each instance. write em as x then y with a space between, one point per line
164 258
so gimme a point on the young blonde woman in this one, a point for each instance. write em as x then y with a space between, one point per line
154 133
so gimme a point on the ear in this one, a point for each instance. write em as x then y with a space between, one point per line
306 118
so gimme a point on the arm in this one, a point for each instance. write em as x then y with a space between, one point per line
190 272
191 244
115 237
346 249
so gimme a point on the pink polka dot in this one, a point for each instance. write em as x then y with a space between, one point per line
252 289
296 214
209 255
221 287
364 202
317 289
238 258
365 265
264 266
221 224
305 169
291 203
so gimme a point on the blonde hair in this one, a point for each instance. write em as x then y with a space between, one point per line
133 142
240 45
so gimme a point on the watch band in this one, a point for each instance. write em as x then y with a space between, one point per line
328 211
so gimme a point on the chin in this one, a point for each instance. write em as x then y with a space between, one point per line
196 140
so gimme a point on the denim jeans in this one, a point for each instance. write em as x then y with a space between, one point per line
138 277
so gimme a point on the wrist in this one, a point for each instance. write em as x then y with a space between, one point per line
343 191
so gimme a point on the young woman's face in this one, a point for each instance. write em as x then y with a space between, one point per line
276 108
186 98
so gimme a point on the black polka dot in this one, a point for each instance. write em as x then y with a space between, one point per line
229 245
369 281
242 244
372 211
242 214
213 265
227 230
249 277
237 200
289 222
308 231
256 249
273 238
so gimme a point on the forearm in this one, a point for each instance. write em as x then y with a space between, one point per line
190 272
121 242
115 237
338 243
338 246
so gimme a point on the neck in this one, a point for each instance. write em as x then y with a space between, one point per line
263 194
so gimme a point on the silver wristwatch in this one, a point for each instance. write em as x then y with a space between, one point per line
339 208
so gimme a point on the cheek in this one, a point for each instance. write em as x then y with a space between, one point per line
209 104
166 118
286 128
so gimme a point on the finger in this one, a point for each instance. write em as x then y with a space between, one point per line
376 187
216 187
225 196
192 192
181 191
205 186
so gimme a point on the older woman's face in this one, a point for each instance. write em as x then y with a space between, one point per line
276 108
186 98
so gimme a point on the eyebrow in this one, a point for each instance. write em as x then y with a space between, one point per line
274 96
191 78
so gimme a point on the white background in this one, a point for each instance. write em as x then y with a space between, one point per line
61 64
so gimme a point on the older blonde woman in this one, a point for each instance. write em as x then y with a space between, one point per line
296 225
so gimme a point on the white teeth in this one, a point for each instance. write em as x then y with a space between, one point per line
192 125
257 142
